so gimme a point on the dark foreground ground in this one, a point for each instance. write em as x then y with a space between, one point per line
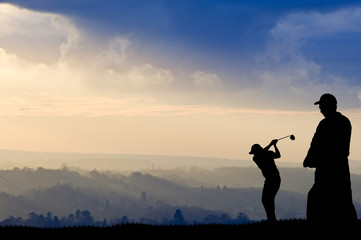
281 230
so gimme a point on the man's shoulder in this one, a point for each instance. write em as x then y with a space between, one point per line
343 118
339 119
323 123
338 116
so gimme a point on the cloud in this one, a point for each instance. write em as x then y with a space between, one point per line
294 32
78 79
22 28
149 75
77 48
69 59
29 104
203 79
288 66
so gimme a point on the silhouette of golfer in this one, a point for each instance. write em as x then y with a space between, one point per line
330 198
264 158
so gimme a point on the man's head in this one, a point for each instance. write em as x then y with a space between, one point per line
255 149
327 104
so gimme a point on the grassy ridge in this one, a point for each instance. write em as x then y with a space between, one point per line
281 229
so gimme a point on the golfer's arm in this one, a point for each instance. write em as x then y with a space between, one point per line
267 147
277 153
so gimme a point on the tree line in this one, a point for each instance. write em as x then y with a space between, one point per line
84 218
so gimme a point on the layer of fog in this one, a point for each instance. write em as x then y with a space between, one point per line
141 186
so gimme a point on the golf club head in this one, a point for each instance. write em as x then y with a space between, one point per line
292 137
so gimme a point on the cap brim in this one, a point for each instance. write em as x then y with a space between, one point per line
250 152
316 103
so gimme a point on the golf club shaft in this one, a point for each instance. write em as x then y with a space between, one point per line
284 137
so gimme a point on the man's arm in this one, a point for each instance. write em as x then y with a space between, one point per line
314 152
273 143
307 162
277 153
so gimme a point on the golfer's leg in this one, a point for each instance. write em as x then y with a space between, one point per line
268 202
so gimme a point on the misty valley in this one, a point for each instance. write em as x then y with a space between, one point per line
139 197
222 195
102 189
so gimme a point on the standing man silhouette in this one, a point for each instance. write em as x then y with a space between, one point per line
264 158
330 198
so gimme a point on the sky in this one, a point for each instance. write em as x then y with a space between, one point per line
202 78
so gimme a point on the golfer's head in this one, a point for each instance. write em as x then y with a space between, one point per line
327 104
255 149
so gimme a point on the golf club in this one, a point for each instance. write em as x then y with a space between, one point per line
292 137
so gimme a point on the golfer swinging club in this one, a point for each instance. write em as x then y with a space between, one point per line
264 158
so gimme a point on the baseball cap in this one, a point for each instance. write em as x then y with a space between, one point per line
254 148
328 99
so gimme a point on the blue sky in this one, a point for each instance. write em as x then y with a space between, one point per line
259 62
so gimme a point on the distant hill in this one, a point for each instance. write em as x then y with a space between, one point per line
138 195
103 161
123 185
126 162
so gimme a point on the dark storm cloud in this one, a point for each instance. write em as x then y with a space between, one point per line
205 24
